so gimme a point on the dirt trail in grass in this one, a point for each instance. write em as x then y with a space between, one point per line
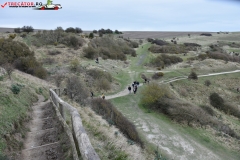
126 92
42 141
171 140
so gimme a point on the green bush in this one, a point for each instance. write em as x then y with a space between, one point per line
151 93
157 75
1 78
12 36
164 60
70 29
207 82
108 111
216 101
27 29
98 74
15 89
193 75
108 48
19 54
90 52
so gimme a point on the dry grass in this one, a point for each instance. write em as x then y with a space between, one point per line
101 134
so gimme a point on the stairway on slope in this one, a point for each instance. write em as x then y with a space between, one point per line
43 140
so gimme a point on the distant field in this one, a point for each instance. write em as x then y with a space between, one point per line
157 34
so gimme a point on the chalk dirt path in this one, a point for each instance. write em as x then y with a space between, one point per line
169 139
42 141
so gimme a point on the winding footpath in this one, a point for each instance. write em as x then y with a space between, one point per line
168 137
126 92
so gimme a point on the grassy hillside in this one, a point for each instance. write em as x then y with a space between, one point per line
14 108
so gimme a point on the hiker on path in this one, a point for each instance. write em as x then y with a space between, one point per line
238 90
135 89
129 88
92 94
96 60
133 85
103 96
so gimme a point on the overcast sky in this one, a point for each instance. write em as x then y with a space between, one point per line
130 15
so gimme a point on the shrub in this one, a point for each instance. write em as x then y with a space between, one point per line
110 113
159 42
202 56
23 35
157 75
74 65
216 101
193 75
171 48
208 109
95 31
91 35
17 30
207 82
76 90
103 84
165 60
15 89
133 44
27 29
70 29
54 52
12 36
78 30
205 34
98 74
90 52
107 47
1 78
151 93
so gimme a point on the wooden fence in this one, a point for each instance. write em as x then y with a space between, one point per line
79 140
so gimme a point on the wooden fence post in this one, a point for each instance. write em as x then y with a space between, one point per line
61 108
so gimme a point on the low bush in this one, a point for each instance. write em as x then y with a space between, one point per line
157 75
173 49
12 36
207 82
193 76
19 54
90 52
218 102
48 61
15 89
97 74
54 52
108 48
76 90
165 60
206 34
202 56
151 93
159 42
110 113
208 109
74 65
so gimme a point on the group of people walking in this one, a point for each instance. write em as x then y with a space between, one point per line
134 87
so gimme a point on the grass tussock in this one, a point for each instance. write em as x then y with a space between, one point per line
113 116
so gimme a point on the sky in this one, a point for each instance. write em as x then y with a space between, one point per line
129 15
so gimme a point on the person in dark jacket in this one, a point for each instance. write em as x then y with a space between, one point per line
129 88
92 94
135 89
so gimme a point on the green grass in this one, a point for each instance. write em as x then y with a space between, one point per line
13 110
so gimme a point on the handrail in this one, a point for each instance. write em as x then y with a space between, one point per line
79 133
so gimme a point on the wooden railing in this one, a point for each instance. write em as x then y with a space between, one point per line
69 115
